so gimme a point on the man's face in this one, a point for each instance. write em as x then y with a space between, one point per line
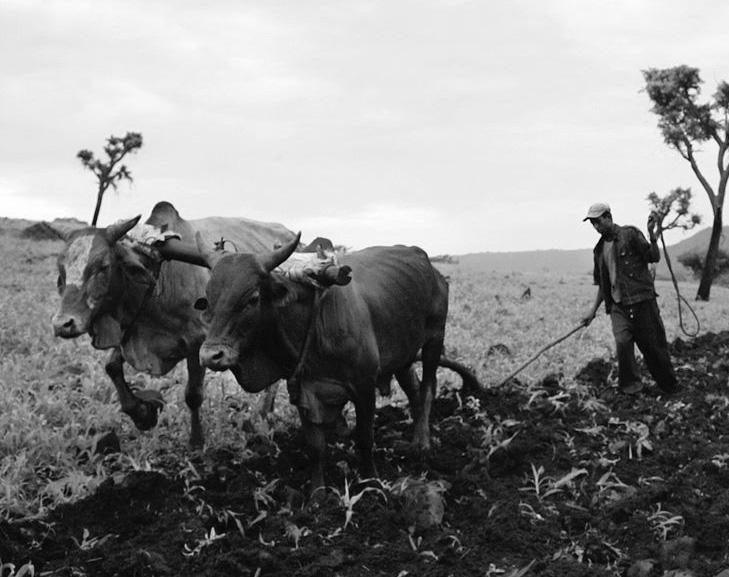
602 224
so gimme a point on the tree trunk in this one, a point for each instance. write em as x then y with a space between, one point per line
707 274
99 197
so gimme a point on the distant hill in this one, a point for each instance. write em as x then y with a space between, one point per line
579 261
14 225
39 230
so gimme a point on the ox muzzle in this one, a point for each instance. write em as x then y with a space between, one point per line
68 326
217 356
73 316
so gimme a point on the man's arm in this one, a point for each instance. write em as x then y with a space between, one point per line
588 318
649 250
653 254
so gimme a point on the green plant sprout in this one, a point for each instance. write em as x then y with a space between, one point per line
663 522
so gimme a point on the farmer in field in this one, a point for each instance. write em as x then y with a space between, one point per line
624 282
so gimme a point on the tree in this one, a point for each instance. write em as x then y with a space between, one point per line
672 210
111 172
685 123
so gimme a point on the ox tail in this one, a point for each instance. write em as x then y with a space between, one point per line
471 384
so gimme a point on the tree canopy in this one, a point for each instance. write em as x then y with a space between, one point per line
109 173
686 124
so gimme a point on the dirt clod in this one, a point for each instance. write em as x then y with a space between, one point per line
592 483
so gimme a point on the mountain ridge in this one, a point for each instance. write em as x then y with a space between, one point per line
579 261
550 260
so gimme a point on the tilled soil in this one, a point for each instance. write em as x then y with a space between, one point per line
547 479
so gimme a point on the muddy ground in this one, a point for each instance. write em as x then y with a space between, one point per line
591 483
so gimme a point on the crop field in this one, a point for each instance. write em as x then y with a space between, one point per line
554 473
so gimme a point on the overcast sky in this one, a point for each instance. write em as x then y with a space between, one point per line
454 125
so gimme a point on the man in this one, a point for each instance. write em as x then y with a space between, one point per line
623 280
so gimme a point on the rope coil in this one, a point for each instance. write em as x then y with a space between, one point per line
680 299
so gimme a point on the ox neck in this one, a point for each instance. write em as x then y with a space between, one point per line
293 340
134 293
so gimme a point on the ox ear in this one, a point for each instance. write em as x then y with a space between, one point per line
274 258
115 231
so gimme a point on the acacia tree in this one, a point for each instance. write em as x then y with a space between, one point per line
673 210
685 124
111 172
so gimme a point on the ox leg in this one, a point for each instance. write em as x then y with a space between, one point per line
416 391
430 355
194 399
316 446
269 400
409 382
364 407
143 406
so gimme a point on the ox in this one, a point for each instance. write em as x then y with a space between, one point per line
125 295
333 346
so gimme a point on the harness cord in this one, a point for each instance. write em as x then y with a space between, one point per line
220 244
679 297
303 353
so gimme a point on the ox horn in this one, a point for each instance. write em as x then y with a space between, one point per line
210 257
115 231
279 255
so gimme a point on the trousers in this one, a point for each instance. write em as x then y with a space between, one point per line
640 324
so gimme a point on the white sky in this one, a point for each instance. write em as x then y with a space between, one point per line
454 125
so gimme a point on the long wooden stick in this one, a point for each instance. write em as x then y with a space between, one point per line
535 357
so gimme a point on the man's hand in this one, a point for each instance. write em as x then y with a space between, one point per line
652 226
588 318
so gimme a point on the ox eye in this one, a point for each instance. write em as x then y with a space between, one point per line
97 285
201 304
253 301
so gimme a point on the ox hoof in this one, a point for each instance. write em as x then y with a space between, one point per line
144 412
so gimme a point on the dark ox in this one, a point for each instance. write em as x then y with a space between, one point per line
358 335
125 295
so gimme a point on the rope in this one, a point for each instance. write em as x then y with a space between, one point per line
679 297
300 365
220 244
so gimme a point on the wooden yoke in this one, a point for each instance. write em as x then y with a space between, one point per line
310 268
176 249
335 275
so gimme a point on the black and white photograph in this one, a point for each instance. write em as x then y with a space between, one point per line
367 288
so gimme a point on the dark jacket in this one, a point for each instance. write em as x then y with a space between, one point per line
632 255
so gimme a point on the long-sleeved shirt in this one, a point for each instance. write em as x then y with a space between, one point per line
632 279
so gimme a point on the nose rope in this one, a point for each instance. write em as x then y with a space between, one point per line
299 370
145 298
